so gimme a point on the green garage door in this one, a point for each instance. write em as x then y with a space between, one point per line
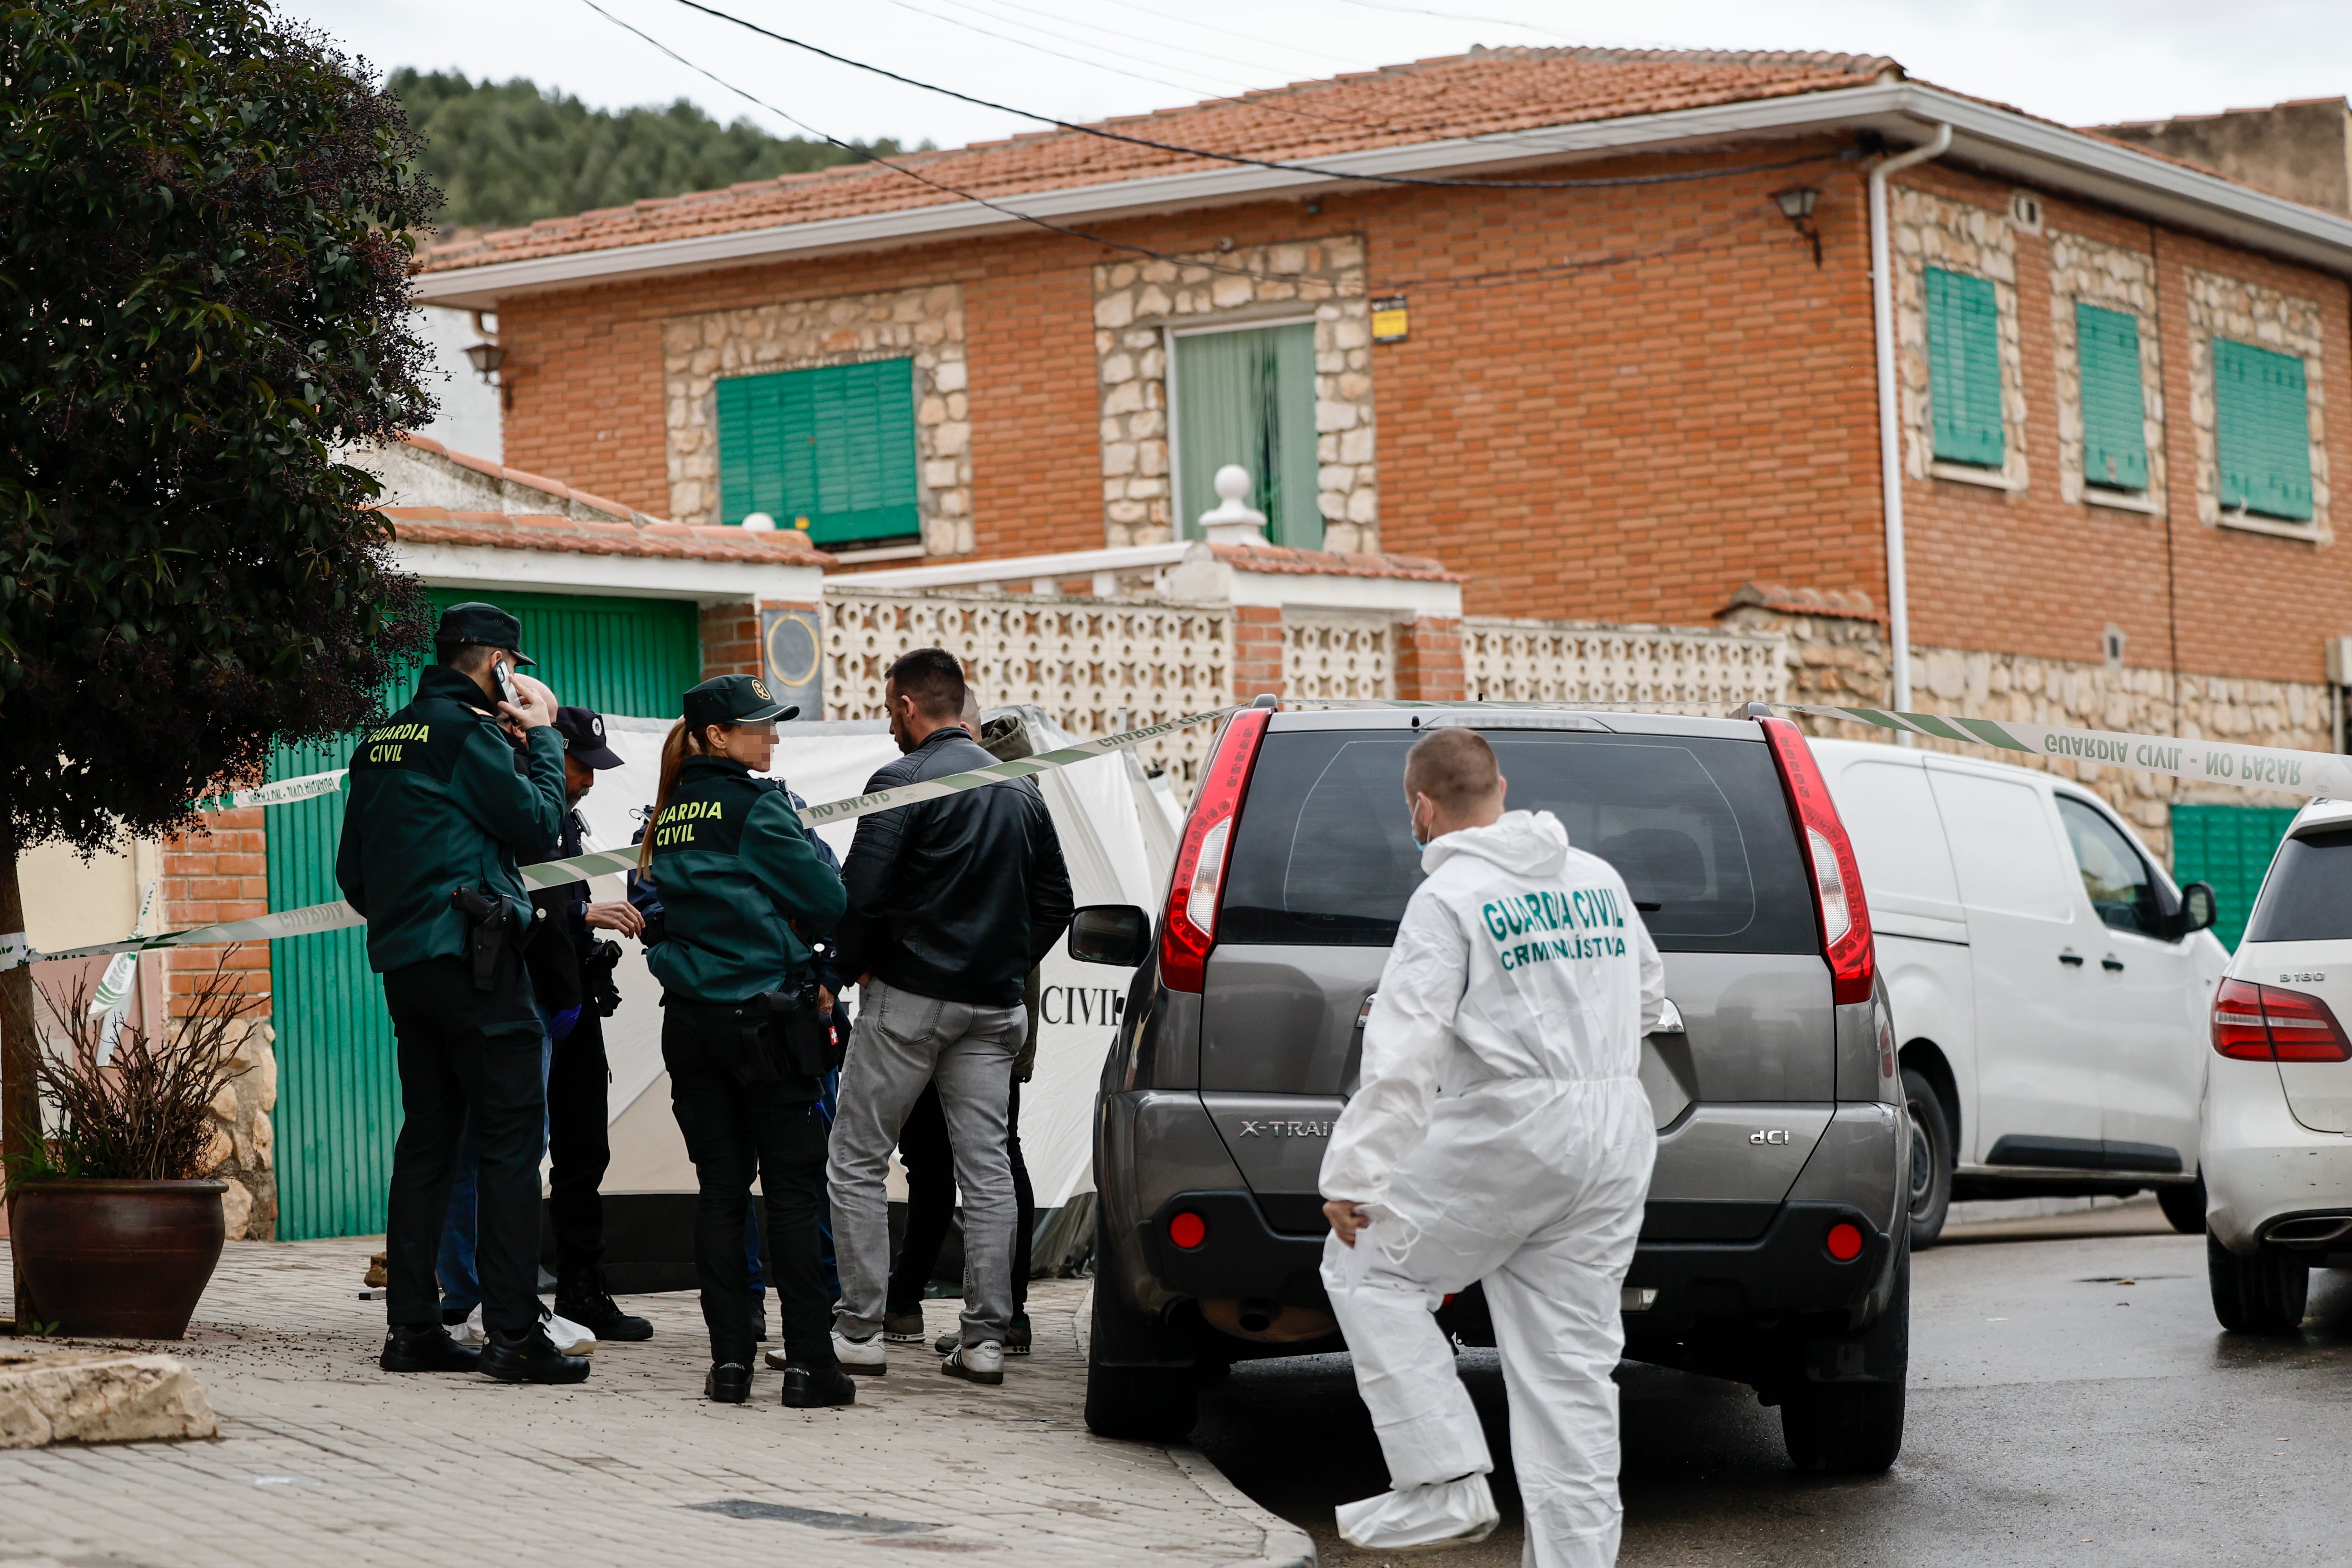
339 1092
2229 846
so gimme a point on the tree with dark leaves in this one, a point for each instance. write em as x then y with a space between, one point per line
203 301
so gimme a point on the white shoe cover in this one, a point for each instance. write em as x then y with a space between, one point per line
569 1337
1449 1513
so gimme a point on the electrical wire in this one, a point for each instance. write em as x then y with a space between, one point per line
1238 158
1457 16
1565 268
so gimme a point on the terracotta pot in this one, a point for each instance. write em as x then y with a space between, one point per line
128 1260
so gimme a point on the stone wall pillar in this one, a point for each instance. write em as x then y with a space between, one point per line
1257 650
223 875
1429 666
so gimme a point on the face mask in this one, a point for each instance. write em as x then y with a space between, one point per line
1420 832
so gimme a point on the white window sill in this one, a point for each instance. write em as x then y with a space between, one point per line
2122 500
1968 474
2278 528
882 552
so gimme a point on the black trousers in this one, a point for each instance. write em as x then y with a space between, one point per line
732 1134
578 1146
462 1052
930 1159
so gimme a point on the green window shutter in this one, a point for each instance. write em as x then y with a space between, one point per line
1964 368
339 1094
2261 423
2114 429
834 445
1248 397
2231 847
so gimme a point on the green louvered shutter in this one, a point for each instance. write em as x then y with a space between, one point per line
2115 432
1964 368
2261 423
1248 397
2229 847
337 1073
834 445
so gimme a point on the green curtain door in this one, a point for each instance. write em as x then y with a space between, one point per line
1248 397
338 1087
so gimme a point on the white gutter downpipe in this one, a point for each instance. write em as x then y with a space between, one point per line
1890 448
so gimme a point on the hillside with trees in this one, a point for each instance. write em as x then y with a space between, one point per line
506 154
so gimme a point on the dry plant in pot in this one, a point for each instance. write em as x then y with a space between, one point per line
115 1226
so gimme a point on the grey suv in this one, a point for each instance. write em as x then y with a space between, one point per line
1774 1250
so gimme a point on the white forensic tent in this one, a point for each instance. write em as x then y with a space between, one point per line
1118 839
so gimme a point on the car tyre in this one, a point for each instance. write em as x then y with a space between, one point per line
2265 1294
2183 1205
1931 1158
1134 1403
1844 1429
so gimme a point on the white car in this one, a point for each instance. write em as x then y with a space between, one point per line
2278 1104
2049 982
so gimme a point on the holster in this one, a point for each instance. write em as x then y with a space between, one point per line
495 920
798 1032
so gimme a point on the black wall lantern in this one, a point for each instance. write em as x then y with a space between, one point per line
485 359
1796 206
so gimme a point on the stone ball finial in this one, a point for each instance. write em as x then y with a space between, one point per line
1232 521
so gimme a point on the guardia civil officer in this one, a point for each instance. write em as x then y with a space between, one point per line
743 893
440 807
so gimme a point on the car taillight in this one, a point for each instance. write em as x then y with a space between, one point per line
2261 1023
1837 877
1189 927
1844 1241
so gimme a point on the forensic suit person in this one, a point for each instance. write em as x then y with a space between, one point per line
1500 1134
744 1035
441 807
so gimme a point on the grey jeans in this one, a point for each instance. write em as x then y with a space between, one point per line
902 1042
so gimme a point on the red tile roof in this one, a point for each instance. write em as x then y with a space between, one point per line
1829 603
1333 564
533 530
1480 93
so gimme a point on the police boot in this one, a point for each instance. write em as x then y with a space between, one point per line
729 1383
530 1357
427 1347
580 1296
813 1387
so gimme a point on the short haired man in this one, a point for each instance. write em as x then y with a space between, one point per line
440 810
1500 1133
951 903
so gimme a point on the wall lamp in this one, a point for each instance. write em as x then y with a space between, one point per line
1796 206
485 359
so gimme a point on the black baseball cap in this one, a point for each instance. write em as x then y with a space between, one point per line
485 626
735 699
582 730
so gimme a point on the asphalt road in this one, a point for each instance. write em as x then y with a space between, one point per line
2071 1400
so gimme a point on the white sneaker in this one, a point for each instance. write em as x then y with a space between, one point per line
777 1362
569 1337
983 1363
862 1358
1419 1519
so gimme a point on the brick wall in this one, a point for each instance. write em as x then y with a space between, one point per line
731 639
1613 405
1428 659
1257 650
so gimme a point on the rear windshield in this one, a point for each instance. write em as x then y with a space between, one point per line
1699 828
2307 897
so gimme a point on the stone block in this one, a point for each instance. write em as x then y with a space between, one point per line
98 1396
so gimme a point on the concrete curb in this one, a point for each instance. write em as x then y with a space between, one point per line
98 1396
1284 1544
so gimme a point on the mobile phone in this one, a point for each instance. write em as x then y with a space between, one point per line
506 682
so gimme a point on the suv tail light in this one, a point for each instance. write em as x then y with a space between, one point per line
1837 877
1189 927
2261 1023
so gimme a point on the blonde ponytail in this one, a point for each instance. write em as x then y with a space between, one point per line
680 743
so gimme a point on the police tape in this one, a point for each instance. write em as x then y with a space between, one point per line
281 791
15 950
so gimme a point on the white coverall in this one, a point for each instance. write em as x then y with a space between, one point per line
1500 1133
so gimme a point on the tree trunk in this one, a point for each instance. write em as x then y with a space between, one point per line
20 1043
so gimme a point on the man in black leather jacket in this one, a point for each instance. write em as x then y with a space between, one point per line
951 903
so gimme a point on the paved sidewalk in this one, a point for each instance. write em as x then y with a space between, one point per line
322 1459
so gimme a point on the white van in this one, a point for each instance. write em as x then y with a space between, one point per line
2050 984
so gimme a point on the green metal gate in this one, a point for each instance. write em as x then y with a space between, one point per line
339 1088
2229 846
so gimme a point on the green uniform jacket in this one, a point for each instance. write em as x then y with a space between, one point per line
437 804
734 866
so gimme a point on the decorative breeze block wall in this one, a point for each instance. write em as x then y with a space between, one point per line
926 324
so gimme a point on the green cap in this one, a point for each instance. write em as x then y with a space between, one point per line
485 626
734 699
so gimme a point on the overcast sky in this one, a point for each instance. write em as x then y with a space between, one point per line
2078 61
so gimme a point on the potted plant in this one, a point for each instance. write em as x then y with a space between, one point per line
115 1227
